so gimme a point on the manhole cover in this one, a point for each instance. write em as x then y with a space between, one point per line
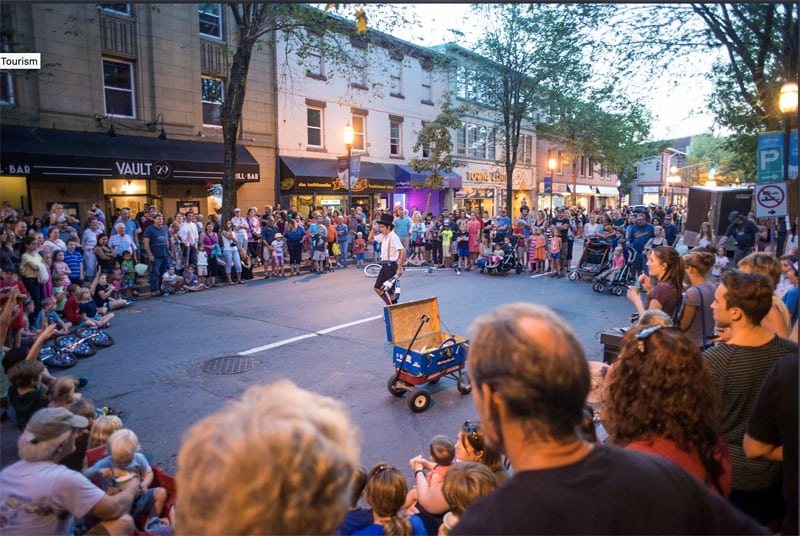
229 365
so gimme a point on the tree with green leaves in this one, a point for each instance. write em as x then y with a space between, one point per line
606 128
258 24
435 140
756 49
535 50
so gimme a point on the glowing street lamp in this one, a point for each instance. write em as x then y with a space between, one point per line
787 102
672 180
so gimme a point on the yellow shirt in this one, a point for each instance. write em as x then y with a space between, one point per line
33 258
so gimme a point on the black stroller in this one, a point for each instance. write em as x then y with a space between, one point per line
507 263
594 259
619 282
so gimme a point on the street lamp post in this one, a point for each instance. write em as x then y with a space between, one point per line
672 180
348 142
551 165
619 195
788 105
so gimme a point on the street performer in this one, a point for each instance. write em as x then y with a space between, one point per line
393 256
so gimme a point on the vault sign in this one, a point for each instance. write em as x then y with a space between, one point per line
771 200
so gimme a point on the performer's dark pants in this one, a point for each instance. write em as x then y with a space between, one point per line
388 270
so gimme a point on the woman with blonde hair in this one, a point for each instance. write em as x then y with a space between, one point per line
706 237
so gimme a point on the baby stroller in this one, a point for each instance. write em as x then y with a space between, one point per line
507 263
594 259
619 282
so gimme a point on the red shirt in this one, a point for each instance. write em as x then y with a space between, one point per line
72 311
689 461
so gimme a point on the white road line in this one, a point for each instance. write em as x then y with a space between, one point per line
308 336
342 326
277 344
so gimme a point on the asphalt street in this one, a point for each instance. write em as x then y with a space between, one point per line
324 332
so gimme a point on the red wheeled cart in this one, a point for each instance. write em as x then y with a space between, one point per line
421 352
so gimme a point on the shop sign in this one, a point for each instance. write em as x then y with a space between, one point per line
18 169
486 176
334 185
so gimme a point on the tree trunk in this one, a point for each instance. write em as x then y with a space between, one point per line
231 119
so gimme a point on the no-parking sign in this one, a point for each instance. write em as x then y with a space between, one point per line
771 200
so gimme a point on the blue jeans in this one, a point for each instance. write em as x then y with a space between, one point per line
232 260
157 269
344 245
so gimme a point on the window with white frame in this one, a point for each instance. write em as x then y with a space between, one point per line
492 144
315 64
213 95
476 139
461 140
120 8
314 126
560 163
118 88
461 81
427 87
396 81
359 122
210 20
521 149
395 140
6 83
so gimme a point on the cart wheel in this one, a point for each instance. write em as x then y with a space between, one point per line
618 290
419 401
392 386
573 276
599 287
463 385
372 270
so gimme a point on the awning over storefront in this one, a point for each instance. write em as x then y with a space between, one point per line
607 190
61 154
318 175
582 189
406 177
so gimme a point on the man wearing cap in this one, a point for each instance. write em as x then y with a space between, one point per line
743 231
393 255
38 496
240 227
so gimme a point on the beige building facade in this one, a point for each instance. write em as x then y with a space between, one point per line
125 109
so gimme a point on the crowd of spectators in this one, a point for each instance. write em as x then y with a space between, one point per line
695 422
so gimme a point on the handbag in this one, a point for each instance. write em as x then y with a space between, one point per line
216 252
336 249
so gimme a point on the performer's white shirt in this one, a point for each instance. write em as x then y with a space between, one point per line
390 246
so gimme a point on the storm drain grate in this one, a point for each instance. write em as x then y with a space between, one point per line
229 365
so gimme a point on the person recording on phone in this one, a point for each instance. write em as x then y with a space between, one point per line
393 256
